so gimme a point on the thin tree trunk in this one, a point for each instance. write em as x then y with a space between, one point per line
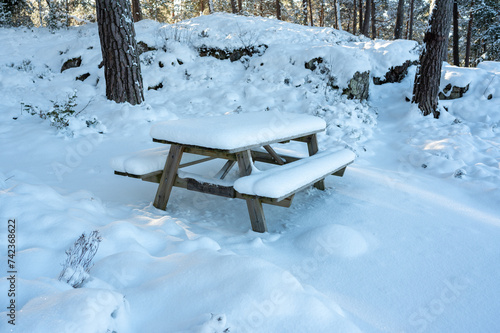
311 22
428 76
360 8
374 29
469 35
322 14
136 10
304 10
336 25
410 29
240 7
456 58
233 7
122 70
337 11
398 29
355 21
278 9
366 22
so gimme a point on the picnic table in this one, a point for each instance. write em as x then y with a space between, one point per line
239 139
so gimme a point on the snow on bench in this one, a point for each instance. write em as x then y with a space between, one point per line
282 181
147 162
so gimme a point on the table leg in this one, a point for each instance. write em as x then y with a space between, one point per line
312 147
168 176
254 205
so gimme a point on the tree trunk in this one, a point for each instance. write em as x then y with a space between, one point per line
136 10
311 22
398 29
234 9
374 29
469 35
456 58
304 10
410 29
322 14
240 7
122 69
337 11
355 21
428 76
366 22
278 10
360 8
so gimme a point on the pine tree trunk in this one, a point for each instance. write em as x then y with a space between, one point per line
456 58
337 11
278 10
428 76
374 28
240 7
311 22
355 21
322 14
410 29
360 8
304 10
469 36
234 9
366 22
136 10
122 69
398 29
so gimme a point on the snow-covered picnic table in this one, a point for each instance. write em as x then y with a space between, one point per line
239 139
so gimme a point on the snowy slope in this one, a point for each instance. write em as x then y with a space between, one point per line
406 241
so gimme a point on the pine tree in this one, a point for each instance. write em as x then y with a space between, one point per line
122 69
428 76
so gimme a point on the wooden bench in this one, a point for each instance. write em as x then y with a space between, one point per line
276 185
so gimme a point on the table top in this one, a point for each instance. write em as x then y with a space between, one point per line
237 132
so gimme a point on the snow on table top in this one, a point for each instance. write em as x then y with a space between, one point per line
281 181
236 132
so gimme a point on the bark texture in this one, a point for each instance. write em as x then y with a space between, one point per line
366 21
456 38
469 36
122 69
136 10
428 76
398 29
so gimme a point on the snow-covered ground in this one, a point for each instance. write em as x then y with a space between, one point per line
407 241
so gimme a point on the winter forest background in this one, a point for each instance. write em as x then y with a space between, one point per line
475 23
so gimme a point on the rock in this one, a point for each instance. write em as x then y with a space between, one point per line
233 55
71 63
452 92
83 77
358 86
143 47
395 74
313 64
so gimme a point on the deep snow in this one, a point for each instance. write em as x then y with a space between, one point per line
406 241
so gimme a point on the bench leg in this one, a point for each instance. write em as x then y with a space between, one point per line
312 147
168 177
254 205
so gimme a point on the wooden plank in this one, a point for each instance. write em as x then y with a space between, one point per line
206 159
168 177
260 156
203 187
340 173
225 170
254 205
312 147
275 156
